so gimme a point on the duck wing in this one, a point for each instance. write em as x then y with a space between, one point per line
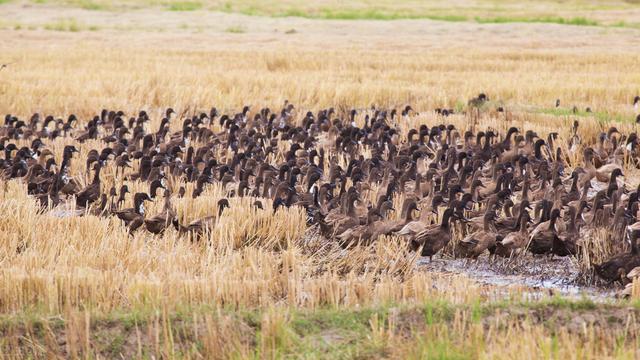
432 240
126 215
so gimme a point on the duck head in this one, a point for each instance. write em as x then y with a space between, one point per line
138 200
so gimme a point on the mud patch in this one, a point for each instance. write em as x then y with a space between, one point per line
540 276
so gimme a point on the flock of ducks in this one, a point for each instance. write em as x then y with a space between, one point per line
505 194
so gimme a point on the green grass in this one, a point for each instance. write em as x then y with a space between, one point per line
70 24
89 5
440 349
450 18
185 6
349 14
578 21
564 303
236 29
391 13
601 116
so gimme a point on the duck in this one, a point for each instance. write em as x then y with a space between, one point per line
427 215
434 239
361 234
566 242
91 193
199 227
542 241
473 245
102 210
514 242
618 266
394 226
158 223
511 223
133 217
339 221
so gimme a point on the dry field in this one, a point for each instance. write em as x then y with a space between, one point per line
263 286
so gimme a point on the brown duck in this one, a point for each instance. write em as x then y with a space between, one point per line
91 193
158 223
617 267
515 241
542 241
201 226
134 217
475 244
434 239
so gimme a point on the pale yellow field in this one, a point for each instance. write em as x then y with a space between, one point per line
88 272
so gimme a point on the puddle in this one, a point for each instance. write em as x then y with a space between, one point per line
540 276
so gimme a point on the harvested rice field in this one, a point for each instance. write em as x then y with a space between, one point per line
320 180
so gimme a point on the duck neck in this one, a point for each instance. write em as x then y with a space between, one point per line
445 221
588 163
418 184
96 178
167 202
351 207
409 215
596 205
104 202
525 190
574 184
138 207
486 224
552 223
538 152
572 223
522 224
321 161
487 142
585 192
507 211
519 221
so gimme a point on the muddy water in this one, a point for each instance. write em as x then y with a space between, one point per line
540 276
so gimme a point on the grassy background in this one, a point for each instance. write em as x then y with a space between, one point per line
591 13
